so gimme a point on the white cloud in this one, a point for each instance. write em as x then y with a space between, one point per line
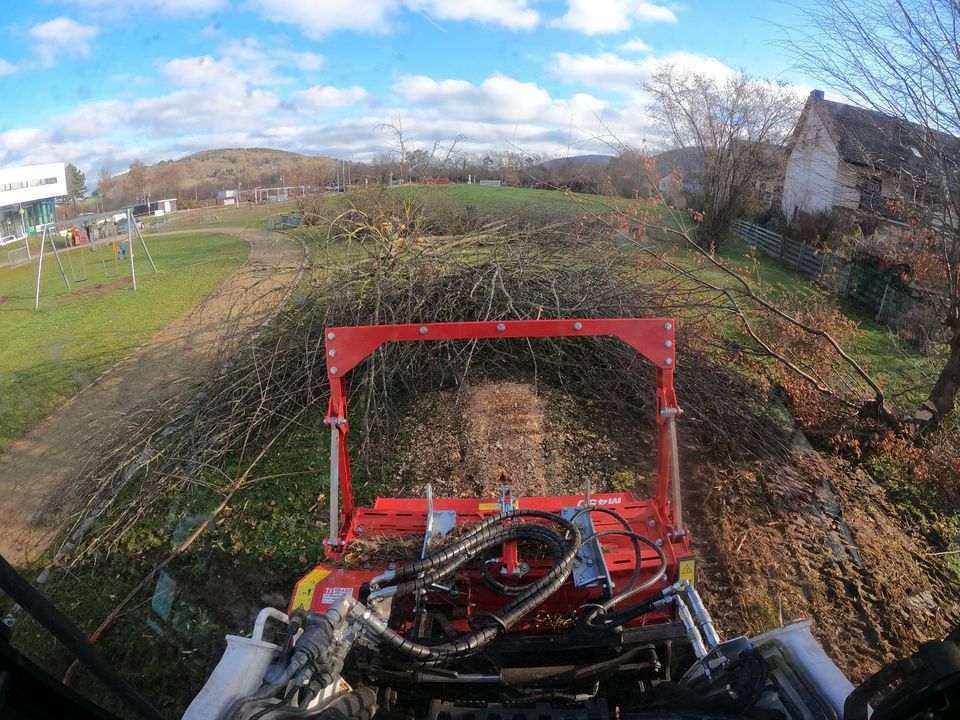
318 18
201 70
612 16
167 7
62 36
303 61
326 97
613 72
511 14
502 110
7 68
243 62
635 46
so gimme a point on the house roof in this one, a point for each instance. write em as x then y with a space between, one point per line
882 142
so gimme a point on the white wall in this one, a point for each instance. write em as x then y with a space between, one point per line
32 176
810 182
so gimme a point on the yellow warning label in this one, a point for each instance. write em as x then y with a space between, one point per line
496 505
304 592
687 570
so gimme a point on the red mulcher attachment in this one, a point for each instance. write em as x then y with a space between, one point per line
655 533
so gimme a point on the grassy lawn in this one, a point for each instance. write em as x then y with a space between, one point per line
48 356
893 363
487 197
244 216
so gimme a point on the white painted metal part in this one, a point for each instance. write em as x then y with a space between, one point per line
239 673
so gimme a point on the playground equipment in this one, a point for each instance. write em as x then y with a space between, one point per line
122 248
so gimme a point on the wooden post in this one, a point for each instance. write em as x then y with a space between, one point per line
883 302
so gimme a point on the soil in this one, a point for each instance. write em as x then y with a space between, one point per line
37 466
99 289
801 537
5 298
468 443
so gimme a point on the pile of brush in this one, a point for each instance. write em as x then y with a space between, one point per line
386 260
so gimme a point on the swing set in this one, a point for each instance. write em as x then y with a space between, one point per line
121 246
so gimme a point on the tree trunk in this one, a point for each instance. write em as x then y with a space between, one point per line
941 399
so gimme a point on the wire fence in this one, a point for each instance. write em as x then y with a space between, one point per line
883 293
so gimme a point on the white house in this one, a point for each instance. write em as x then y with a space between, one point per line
846 157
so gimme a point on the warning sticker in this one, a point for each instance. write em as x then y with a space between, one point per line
301 598
687 570
332 594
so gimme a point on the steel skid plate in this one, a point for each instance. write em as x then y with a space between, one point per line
590 566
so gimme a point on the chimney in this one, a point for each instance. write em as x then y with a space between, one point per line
816 94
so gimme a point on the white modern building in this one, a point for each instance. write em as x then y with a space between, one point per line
27 197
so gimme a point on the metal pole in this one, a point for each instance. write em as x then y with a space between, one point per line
133 271
145 248
56 254
334 482
675 476
43 240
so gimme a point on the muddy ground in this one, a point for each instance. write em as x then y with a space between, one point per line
805 537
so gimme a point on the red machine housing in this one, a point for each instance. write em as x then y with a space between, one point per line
658 518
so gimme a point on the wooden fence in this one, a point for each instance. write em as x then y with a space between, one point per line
884 294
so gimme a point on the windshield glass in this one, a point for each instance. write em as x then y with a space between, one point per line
196 196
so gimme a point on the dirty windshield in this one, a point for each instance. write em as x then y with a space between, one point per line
455 359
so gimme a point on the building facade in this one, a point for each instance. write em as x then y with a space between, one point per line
28 197
852 159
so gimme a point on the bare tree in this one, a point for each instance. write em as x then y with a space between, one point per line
900 58
733 127
137 176
104 178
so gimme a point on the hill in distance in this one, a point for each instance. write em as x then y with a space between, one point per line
578 162
209 171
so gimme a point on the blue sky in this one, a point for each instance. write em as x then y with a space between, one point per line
101 82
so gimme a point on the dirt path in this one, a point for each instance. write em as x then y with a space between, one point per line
37 465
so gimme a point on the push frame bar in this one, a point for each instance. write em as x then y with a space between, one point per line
346 347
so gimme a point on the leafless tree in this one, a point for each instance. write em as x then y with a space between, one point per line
901 58
733 127
137 177
104 178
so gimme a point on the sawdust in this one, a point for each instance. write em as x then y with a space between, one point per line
470 442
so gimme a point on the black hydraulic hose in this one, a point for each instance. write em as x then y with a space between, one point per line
477 536
626 526
532 595
45 613
517 531
646 584
620 617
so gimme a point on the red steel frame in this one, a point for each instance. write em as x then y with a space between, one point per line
346 347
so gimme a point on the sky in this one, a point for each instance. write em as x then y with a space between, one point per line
100 83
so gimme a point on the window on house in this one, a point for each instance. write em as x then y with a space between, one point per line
869 187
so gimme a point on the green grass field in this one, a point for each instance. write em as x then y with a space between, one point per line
511 199
48 356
